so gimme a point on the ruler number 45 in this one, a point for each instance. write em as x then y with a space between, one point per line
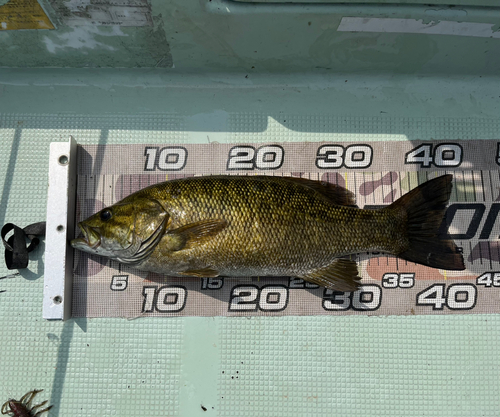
489 279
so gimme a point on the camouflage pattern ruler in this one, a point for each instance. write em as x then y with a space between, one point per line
376 172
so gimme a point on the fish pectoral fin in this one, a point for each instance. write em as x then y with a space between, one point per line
197 233
340 275
173 242
202 273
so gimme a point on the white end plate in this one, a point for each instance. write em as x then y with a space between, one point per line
58 274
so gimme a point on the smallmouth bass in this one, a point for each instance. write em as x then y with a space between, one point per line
268 226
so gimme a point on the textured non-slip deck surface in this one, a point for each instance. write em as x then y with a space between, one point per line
235 366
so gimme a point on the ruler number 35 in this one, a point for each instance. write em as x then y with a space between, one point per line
402 280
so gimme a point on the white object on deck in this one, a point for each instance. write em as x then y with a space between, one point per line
58 274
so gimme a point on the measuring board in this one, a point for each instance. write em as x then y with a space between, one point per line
376 172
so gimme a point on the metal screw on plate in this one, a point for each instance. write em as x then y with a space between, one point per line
63 159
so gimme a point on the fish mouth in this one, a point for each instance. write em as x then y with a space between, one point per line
90 238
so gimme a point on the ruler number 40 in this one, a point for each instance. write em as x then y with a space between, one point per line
457 297
443 155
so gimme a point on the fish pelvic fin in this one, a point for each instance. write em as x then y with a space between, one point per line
424 208
196 233
340 275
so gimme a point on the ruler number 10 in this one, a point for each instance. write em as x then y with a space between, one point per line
165 299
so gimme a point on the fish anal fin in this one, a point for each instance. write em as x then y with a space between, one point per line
207 272
340 275
196 233
334 193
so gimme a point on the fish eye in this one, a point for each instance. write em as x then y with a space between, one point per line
105 215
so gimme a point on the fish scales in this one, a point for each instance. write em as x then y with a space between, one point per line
267 226
275 228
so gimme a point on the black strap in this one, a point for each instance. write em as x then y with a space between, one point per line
16 251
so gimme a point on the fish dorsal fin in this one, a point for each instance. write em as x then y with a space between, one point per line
207 272
340 275
191 234
334 193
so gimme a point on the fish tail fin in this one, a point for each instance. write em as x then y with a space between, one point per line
425 207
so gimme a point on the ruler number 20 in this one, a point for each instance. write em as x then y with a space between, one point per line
249 158
253 298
